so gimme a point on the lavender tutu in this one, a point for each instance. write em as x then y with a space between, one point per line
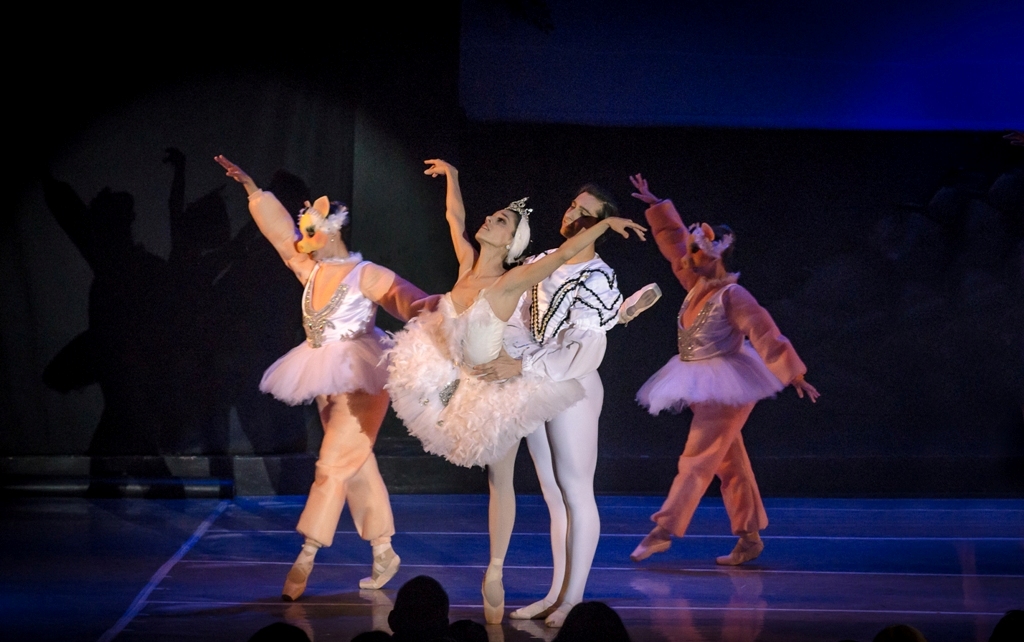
337 367
734 380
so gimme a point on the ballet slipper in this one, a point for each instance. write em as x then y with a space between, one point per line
494 595
557 617
536 611
295 581
658 540
639 301
744 551
385 566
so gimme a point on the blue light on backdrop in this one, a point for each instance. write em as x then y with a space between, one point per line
824 65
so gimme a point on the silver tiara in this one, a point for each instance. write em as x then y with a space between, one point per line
519 207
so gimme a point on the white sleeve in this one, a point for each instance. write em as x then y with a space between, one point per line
518 338
570 354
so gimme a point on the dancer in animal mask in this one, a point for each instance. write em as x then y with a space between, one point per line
340 367
731 354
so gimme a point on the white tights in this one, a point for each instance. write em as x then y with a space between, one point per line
564 453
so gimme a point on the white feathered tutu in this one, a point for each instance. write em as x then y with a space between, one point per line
466 420
336 367
734 380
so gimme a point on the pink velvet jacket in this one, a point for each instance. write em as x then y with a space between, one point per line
742 309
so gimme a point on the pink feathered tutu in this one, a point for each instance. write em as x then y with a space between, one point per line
466 420
734 380
337 367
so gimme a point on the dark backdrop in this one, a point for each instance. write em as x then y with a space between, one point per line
893 260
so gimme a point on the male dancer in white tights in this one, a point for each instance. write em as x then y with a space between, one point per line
559 331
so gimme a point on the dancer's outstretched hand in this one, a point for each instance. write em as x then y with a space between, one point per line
439 167
499 369
235 172
623 225
643 193
1015 138
802 388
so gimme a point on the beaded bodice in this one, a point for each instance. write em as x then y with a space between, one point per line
711 334
348 314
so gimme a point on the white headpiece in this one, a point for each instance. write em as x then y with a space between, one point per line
704 237
323 221
522 236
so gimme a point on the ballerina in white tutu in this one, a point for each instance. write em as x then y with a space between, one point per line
469 421
731 354
340 365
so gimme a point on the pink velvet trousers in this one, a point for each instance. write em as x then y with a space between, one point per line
347 471
714 447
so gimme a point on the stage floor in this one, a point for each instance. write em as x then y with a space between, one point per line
133 569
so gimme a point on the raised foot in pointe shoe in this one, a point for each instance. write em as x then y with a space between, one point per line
385 566
494 596
639 301
536 611
653 542
557 617
744 551
295 581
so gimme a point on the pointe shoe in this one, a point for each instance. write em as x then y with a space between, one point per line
639 301
557 617
744 551
536 611
657 541
295 581
385 566
494 596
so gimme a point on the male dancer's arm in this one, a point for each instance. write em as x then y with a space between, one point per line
778 354
573 352
671 235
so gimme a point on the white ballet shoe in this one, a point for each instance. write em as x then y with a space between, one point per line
639 301
557 617
536 611
295 581
658 540
493 591
744 551
385 566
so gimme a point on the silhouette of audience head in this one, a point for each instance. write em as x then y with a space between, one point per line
279 632
899 633
1010 627
592 621
372 636
467 631
421 610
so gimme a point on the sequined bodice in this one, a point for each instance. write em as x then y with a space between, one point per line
481 331
711 334
348 314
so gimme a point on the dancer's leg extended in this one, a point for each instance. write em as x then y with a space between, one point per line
713 432
345 469
501 517
350 422
573 439
540 452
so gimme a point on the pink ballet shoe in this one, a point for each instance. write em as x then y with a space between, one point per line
657 541
295 581
639 301
557 617
744 551
385 566
494 595
536 611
